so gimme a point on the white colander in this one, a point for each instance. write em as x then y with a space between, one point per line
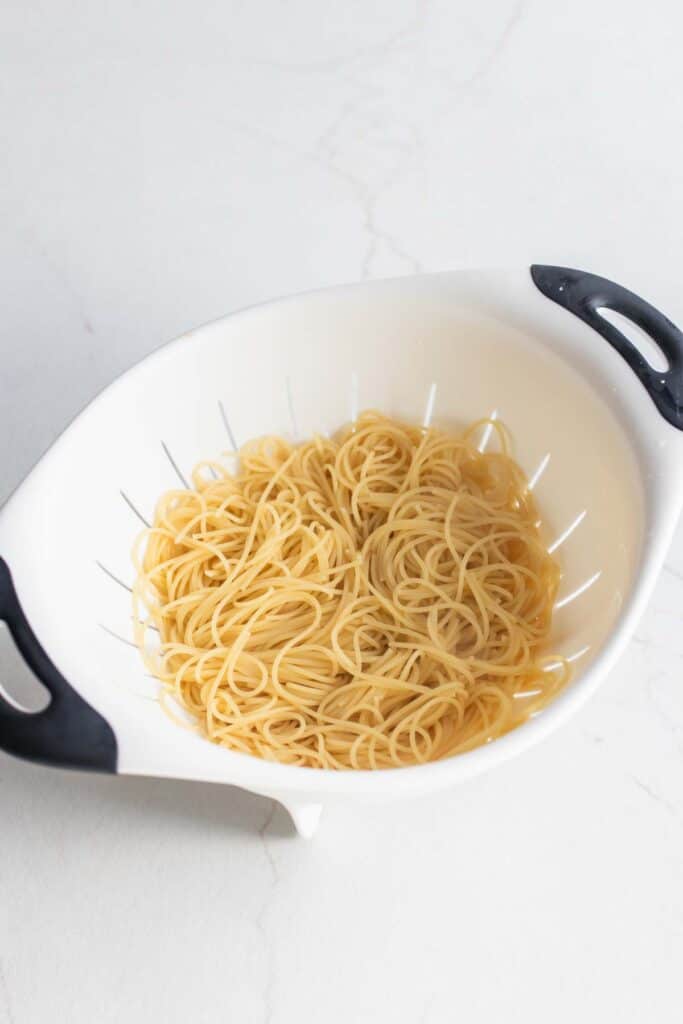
603 450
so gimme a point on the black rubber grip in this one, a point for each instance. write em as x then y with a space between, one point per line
69 733
584 294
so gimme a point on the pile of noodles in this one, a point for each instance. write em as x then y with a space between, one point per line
372 600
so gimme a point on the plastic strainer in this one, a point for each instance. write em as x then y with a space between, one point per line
595 425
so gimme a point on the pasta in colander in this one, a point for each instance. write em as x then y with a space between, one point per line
377 599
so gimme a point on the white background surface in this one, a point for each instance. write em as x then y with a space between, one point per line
164 163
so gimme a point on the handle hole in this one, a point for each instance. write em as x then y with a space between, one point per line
640 339
18 685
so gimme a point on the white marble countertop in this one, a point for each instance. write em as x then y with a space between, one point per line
165 163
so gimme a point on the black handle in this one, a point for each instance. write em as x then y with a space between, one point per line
584 294
68 733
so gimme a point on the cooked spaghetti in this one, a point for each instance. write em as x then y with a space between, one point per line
373 600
